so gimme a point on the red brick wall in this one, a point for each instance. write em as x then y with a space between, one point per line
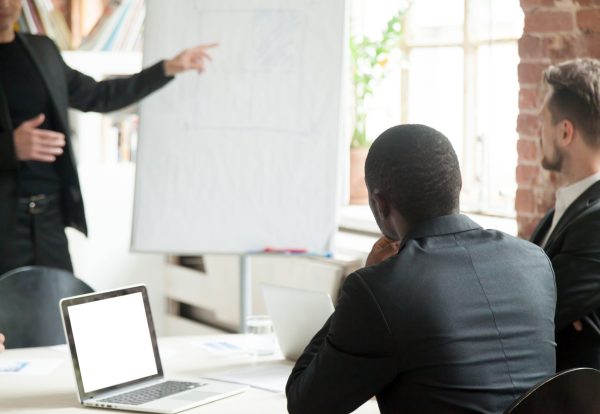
554 31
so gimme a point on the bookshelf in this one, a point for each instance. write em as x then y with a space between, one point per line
96 25
111 138
101 38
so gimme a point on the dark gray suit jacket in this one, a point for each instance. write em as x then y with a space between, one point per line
461 320
574 249
67 88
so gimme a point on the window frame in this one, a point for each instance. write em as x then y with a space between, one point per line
475 178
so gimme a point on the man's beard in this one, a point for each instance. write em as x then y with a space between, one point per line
555 164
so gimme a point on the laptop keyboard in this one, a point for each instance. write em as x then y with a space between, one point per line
151 393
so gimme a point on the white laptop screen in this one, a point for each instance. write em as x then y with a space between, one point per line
113 341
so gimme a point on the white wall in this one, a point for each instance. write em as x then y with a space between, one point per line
103 260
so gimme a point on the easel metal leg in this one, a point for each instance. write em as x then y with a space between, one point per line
245 290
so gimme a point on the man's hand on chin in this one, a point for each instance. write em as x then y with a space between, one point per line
383 249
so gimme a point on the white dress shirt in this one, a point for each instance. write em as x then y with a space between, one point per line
565 196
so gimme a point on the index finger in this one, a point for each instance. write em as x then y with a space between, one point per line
207 46
381 243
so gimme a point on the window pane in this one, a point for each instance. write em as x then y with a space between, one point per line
495 19
369 17
436 21
497 110
436 91
384 106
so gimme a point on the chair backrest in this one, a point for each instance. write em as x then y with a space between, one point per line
575 390
29 305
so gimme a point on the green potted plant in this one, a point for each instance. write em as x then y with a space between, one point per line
369 59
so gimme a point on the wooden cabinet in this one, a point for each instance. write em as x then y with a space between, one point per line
212 296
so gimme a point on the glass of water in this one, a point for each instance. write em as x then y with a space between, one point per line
260 335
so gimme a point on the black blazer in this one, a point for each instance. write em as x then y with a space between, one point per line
574 249
67 88
461 320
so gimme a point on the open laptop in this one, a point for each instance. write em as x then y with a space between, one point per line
297 316
115 356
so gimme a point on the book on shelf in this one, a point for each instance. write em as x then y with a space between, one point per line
119 28
42 17
128 138
31 21
129 39
120 137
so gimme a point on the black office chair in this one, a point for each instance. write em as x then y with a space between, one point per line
29 305
574 391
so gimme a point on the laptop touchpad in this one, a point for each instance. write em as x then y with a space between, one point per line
194 395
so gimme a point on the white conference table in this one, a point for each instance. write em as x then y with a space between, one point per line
53 388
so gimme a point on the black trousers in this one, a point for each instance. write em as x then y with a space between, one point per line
39 237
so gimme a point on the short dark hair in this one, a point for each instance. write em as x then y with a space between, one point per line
576 96
416 169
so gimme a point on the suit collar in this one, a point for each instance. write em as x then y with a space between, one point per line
590 197
438 226
567 195
5 121
54 95
542 228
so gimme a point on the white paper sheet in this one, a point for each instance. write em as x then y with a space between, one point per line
28 367
222 347
270 376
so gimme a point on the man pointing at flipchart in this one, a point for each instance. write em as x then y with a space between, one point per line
39 186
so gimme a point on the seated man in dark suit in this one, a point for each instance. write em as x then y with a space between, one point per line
447 317
570 232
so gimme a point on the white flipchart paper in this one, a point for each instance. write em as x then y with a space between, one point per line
245 155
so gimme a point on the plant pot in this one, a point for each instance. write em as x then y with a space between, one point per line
358 188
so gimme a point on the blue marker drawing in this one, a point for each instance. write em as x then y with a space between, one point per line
13 366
